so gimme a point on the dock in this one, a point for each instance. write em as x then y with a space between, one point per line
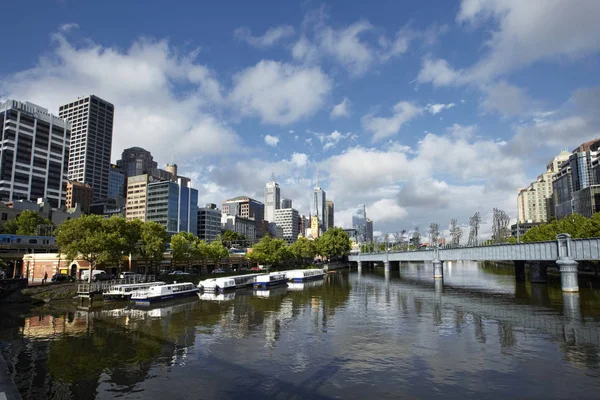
89 290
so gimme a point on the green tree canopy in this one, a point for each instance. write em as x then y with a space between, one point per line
575 225
303 249
216 251
334 243
152 244
269 251
88 237
184 246
26 223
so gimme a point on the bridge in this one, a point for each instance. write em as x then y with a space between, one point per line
565 251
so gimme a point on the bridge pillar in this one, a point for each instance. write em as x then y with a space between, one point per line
568 266
359 263
438 270
538 273
386 265
519 270
571 308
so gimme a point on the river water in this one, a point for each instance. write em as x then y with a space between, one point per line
358 334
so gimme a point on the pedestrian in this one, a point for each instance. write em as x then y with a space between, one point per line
45 278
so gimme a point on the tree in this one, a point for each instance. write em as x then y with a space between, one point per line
152 244
216 251
303 249
184 247
269 251
416 238
231 237
334 243
86 237
575 225
26 223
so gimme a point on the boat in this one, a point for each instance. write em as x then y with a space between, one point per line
164 292
227 283
301 275
268 280
124 291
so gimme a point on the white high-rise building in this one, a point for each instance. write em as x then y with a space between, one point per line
318 207
534 203
287 218
91 141
34 151
272 199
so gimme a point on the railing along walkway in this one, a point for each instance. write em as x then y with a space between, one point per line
86 289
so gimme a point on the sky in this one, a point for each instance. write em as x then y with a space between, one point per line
422 110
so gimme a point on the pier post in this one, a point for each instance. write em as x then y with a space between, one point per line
538 273
519 270
386 265
438 270
568 266
571 308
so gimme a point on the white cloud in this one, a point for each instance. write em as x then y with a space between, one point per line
396 47
437 72
333 138
67 27
507 99
346 47
280 93
528 32
299 159
270 38
383 127
140 81
462 132
341 110
304 50
271 140
291 131
437 108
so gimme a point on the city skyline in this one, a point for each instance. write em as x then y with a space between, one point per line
422 118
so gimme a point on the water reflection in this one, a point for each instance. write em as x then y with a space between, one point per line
370 334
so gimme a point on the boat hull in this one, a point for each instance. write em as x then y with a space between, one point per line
308 278
116 297
264 285
166 297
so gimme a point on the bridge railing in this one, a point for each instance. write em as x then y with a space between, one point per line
581 249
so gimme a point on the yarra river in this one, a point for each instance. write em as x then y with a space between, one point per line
356 335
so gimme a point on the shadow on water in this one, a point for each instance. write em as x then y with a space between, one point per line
77 353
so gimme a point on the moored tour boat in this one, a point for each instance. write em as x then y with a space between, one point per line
124 291
268 280
164 292
301 275
227 283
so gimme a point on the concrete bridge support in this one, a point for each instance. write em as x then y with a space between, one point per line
438 270
519 270
386 265
537 273
566 263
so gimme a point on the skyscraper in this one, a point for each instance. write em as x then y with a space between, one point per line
136 161
317 205
359 222
116 182
34 151
329 214
272 199
91 141
286 203
174 205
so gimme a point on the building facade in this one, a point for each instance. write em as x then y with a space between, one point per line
287 219
137 194
243 226
369 230
572 185
116 182
91 121
173 205
34 153
272 199
534 202
209 222
81 194
286 203
318 206
359 222
329 213
136 161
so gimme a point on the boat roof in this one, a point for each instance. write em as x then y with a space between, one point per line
122 285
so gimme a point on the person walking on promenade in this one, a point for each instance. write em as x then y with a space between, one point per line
45 278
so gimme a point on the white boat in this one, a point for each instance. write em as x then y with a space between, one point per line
227 283
268 280
164 292
301 275
124 291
